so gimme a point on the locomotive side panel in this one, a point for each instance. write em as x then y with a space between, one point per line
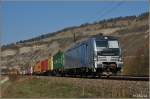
99 54
80 56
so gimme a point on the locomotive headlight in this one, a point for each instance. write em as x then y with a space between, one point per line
120 59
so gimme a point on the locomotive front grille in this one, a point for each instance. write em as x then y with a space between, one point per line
112 65
102 60
107 59
114 59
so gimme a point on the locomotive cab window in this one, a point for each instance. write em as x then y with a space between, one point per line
101 43
113 44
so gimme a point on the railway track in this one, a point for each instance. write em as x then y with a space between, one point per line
118 77
131 78
121 77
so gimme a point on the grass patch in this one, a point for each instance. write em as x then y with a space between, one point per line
41 88
59 87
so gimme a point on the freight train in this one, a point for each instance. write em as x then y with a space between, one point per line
95 56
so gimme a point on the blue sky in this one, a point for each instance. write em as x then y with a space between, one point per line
24 20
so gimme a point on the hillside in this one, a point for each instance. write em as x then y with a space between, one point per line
131 30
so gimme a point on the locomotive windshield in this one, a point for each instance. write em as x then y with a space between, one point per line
113 44
101 43
109 44
109 48
109 52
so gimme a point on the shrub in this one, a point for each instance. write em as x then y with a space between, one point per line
13 75
138 65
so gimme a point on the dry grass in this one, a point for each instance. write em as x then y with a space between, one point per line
59 87
138 65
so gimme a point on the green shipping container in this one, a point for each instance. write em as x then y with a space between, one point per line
58 60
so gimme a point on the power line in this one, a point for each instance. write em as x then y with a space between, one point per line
96 14
105 12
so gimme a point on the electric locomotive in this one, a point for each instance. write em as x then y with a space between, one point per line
98 55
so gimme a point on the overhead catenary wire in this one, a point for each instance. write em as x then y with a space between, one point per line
106 12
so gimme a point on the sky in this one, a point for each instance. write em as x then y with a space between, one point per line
26 19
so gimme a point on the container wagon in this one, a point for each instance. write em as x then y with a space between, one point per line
37 68
50 65
96 55
58 63
47 66
44 67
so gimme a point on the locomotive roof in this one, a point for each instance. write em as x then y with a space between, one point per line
97 37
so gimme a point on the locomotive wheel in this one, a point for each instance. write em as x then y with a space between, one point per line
99 75
93 75
108 76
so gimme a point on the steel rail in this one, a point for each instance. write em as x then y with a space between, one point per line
117 77
130 78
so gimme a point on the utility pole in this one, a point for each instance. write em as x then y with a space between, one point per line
74 36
